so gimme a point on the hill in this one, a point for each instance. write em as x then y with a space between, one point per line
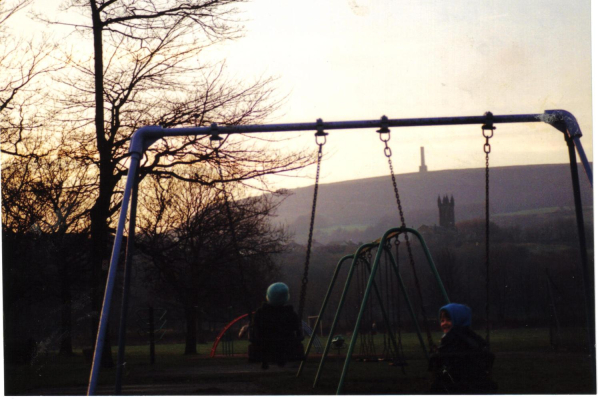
354 206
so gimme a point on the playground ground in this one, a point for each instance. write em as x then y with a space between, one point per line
525 364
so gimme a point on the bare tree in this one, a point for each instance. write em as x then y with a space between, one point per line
22 94
208 252
16 74
45 199
146 69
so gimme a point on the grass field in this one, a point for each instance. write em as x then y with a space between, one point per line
525 364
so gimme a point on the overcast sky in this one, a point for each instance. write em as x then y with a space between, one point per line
357 59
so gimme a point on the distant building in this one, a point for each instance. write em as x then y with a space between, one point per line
446 232
446 208
423 167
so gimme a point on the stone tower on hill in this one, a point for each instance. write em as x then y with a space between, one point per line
446 208
423 167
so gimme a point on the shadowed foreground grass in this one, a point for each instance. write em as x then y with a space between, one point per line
525 364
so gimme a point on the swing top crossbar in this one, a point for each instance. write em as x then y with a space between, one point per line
145 136
562 120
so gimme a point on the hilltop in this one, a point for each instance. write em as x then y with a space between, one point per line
363 203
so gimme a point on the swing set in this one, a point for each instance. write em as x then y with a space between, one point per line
144 137
385 296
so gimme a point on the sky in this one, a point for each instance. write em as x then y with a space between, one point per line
357 59
345 60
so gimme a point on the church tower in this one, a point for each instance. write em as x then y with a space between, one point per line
446 209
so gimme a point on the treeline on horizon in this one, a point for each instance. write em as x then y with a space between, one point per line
535 274
535 281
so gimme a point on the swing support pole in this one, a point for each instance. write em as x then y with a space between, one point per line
144 137
112 273
413 315
385 318
587 280
126 285
338 312
322 311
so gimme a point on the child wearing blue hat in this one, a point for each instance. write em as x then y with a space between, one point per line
276 331
462 362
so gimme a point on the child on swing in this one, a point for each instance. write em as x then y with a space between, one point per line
275 330
462 363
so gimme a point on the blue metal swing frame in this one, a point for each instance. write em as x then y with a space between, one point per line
144 137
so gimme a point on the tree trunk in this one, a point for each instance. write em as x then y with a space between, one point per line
190 330
100 212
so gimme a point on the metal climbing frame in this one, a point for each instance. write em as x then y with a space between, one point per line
381 246
144 137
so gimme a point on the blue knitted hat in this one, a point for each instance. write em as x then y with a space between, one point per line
278 294
460 314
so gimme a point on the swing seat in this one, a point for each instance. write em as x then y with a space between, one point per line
276 351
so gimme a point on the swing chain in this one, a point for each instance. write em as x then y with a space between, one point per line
384 136
320 135
216 141
320 139
487 126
